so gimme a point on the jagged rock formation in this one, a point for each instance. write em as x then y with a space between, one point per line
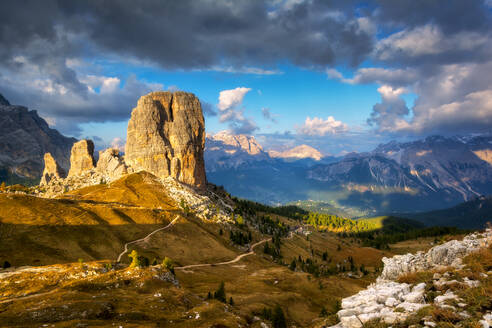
51 170
391 301
246 143
111 164
166 137
225 151
452 167
82 157
25 138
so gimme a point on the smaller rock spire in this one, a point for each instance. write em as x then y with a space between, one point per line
51 170
82 157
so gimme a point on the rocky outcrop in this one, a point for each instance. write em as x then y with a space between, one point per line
25 138
448 254
166 137
111 164
82 157
390 301
51 170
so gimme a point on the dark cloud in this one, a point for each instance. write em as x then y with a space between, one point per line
66 110
192 34
453 16
208 109
414 44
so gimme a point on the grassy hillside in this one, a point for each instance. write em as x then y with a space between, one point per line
304 272
382 224
94 223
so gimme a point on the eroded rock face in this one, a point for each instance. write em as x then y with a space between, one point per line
51 170
24 139
82 157
111 164
166 137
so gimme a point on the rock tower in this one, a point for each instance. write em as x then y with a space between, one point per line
166 137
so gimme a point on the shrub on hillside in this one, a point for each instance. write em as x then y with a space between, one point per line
168 264
135 260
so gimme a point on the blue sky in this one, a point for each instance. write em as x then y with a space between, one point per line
291 94
340 76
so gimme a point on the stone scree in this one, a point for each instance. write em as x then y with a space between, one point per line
381 299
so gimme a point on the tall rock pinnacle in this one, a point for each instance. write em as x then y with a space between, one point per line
82 157
166 137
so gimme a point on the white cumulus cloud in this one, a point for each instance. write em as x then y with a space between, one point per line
230 102
320 127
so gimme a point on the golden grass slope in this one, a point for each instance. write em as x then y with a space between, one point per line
94 223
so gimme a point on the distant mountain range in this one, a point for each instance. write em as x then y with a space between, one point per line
433 173
299 152
473 214
436 172
24 139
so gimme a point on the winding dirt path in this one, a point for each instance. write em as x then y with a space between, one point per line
146 238
26 297
238 258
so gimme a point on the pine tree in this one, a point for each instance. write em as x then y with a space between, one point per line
278 318
220 293
231 301
292 265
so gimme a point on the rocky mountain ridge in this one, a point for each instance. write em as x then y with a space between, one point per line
433 165
25 138
225 150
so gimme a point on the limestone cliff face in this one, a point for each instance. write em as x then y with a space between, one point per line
166 137
51 170
82 157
